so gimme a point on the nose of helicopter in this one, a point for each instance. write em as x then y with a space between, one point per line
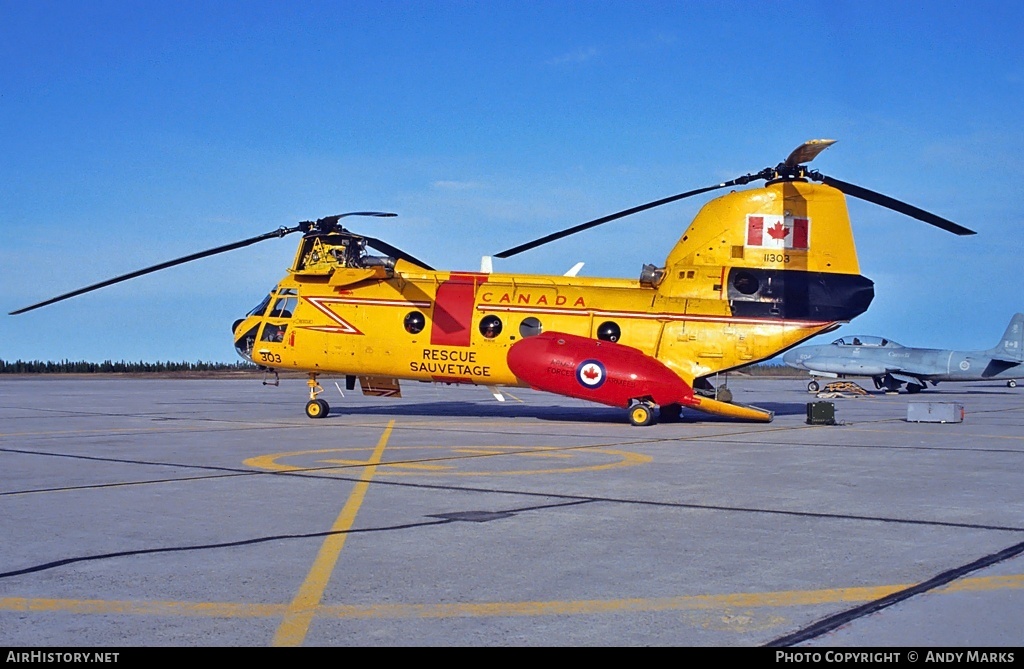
244 338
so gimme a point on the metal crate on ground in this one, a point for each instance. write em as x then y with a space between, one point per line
821 413
935 412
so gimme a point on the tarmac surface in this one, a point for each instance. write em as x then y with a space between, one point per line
147 512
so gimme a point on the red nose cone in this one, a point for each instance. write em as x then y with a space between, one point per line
594 370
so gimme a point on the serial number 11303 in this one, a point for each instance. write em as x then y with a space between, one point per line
776 257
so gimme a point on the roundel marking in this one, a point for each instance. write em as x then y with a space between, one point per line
964 365
591 374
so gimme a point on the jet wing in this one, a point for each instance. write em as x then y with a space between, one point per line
908 378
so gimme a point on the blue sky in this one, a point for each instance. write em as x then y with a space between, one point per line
136 132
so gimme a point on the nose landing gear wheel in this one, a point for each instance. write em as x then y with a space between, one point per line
812 387
1011 384
641 414
317 408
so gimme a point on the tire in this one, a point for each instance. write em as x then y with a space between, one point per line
813 387
913 388
1011 383
724 395
316 408
641 414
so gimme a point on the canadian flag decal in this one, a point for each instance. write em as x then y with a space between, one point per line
778 232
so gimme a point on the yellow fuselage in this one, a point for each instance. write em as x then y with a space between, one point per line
698 316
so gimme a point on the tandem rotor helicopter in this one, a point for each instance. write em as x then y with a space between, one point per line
757 272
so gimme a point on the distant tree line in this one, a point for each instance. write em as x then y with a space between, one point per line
109 367
770 369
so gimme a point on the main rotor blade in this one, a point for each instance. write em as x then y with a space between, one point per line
621 214
280 232
394 252
808 151
337 217
895 205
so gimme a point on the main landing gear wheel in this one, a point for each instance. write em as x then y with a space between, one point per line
913 388
317 408
812 387
641 414
1011 384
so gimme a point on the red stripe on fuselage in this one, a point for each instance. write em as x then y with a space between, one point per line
453 309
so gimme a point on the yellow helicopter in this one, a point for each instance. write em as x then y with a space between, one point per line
757 272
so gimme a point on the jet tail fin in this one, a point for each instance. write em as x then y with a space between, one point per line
1011 347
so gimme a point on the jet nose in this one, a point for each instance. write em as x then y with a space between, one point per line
793 359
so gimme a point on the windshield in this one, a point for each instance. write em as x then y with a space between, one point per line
865 340
260 308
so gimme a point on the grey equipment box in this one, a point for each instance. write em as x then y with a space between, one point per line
935 412
821 413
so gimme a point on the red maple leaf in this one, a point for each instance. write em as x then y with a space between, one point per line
591 373
778 231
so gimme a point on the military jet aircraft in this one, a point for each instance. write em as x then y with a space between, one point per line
892 365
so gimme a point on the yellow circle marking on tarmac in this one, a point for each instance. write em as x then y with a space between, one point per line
459 463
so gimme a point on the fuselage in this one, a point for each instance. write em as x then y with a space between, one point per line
924 363
755 273
432 326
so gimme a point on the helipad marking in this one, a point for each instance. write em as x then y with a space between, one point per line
448 464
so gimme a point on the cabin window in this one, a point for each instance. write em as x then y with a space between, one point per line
609 331
415 322
490 326
530 327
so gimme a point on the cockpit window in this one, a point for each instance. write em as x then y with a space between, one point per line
865 340
272 332
260 308
284 307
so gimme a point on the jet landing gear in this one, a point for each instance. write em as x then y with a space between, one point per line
890 385
316 408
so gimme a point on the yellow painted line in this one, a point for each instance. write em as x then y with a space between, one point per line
785 598
981 583
295 625
154 608
525 454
